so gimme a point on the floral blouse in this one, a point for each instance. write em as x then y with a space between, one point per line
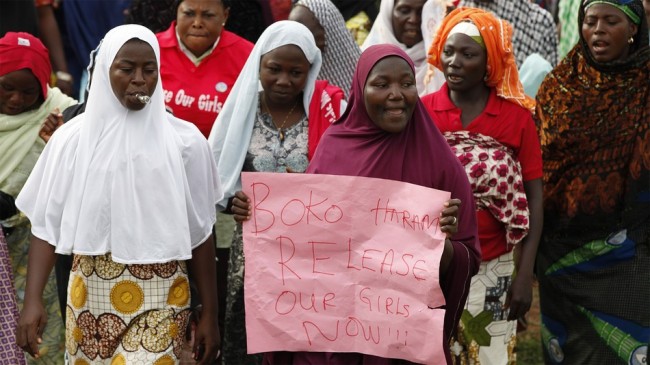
266 153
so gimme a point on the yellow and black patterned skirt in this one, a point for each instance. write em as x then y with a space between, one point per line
126 314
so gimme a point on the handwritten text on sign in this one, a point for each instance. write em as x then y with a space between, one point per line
343 264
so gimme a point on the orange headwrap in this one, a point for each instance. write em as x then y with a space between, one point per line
497 35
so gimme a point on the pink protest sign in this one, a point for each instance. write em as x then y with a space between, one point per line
343 264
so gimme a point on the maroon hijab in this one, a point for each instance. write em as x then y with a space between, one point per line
419 154
355 146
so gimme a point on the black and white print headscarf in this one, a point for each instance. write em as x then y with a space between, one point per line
341 51
533 27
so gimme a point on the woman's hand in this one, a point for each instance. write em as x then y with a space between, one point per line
520 296
203 268
52 122
33 318
207 340
241 207
449 217
31 324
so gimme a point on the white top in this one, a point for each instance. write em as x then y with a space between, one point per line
139 184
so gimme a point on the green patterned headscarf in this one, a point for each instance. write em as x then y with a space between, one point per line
626 6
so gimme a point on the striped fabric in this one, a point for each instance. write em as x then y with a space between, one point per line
534 27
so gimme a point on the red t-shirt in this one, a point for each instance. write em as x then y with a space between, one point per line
197 93
508 123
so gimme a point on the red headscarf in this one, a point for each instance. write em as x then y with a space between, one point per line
24 51
419 154
497 36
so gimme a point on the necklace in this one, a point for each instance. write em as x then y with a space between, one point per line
281 127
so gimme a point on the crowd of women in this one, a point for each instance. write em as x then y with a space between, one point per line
123 192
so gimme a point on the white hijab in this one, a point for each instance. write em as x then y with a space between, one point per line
231 132
429 79
139 184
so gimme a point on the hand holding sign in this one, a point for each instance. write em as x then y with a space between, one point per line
449 215
241 207
351 269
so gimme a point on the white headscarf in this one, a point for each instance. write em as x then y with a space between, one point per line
231 132
341 51
139 184
429 79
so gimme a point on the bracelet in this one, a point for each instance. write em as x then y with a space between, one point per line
63 76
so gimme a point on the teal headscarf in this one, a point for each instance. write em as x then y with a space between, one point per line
626 6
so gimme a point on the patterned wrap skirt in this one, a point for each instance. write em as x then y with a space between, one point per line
126 314
485 336
10 353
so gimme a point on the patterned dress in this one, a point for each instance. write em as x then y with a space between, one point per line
266 153
143 319
593 263
485 336
10 353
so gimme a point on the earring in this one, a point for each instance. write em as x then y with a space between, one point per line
486 77
631 40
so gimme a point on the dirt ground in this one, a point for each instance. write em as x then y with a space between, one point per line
529 350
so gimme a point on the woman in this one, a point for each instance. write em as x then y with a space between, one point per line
95 192
38 18
410 25
200 61
593 112
25 100
486 118
404 147
273 130
340 52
